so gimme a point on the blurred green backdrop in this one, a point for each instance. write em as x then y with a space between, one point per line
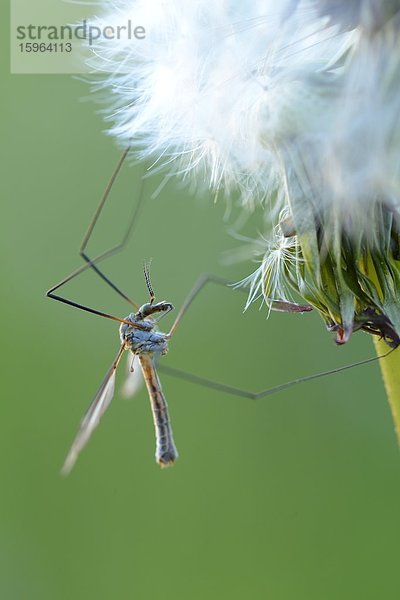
295 496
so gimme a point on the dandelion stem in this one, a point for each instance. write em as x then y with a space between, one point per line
390 369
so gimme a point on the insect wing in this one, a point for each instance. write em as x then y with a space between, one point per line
93 415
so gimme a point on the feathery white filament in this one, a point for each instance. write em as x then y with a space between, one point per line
216 88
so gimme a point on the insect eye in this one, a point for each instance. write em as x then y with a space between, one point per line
167 306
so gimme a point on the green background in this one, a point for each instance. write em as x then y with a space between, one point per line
295 496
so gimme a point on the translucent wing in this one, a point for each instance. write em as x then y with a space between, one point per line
93 415
134 378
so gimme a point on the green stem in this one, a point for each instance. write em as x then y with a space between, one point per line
390 368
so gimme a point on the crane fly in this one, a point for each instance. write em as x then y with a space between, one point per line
140 337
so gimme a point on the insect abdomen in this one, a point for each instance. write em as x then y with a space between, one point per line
166 452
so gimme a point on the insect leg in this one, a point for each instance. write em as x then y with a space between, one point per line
222 387
117 248
92 263
229 389
281 306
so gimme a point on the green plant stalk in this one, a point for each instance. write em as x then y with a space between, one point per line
390 366
390 369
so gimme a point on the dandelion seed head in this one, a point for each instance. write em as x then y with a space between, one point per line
292 104
213 90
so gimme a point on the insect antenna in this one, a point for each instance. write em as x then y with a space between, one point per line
146 271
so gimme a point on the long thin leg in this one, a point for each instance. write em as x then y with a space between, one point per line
223 387
50 294
92 263
280 306
121 245
91 310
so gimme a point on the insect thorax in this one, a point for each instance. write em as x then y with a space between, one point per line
143 340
